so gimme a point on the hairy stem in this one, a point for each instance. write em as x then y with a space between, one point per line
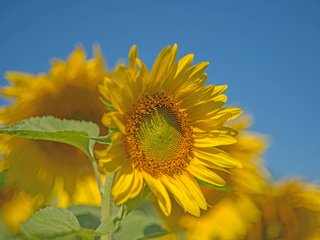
97 175
106 206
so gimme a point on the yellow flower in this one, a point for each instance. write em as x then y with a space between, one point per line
15 207
44 168
253 178
289 210
169 126
231 212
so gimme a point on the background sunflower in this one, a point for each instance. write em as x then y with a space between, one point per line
289 210
69 90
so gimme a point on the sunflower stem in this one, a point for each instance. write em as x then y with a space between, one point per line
106 206
97 175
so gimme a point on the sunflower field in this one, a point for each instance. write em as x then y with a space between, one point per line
136 153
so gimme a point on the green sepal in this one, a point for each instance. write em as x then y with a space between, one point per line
107 105
219 188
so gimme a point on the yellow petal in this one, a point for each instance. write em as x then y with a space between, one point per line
133 55
177 192
107 164
161 193
163 73
184 63
219 90
186 193
123 184
209 142
137 184
113 120
205 174
213 156
232 113
202 109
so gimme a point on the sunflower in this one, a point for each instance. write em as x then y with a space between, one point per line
289 210
15 207
168 126
45 168
233 211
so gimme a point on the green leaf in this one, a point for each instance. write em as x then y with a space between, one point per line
79 134
153 231
219 188
55 223
88 216
85 209
51 222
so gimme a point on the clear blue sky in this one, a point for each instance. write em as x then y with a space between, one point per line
268 52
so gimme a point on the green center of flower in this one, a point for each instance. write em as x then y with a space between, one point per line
158 135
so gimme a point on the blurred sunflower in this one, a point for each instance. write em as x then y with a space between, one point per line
290 210
15 207
231 212
169 126
44 168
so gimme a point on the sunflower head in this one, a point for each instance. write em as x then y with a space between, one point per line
70 91
169 128
59 93
289 210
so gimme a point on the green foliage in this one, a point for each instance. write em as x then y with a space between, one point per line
79 134
53 223
88 216
85 209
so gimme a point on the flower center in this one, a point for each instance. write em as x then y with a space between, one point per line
158 135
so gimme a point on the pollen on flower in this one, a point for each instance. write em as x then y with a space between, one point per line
158 135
